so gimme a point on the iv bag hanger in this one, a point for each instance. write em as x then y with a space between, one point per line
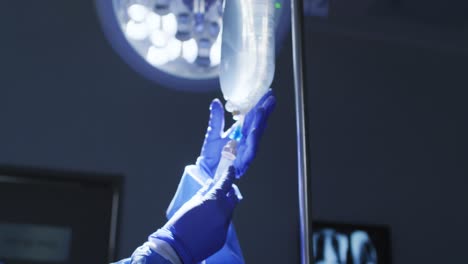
305 216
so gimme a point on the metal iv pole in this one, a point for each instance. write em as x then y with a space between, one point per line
302 154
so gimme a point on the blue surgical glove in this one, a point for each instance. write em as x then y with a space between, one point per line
252 130
199 228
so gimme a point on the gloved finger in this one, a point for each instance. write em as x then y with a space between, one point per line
262 115
264 98
224 184
248 121
255 118
249 139
216 123
249 118
247 153
260 121
269 105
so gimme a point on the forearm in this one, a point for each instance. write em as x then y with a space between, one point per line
191 182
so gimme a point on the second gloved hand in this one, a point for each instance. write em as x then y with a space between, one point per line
252 130
199 228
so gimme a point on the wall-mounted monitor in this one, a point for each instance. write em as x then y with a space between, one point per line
57 216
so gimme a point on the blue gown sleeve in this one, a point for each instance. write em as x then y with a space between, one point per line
144 255
192 180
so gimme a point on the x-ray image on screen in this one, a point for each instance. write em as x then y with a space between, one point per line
347 244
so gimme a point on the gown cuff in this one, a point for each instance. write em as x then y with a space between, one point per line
165 250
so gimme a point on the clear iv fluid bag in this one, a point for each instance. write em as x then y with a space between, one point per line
247 53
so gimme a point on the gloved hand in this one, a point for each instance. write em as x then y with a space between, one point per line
252 130
199 228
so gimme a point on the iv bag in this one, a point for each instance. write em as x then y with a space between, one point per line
247 53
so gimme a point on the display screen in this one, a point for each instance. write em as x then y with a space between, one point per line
34 242
57 217
335 243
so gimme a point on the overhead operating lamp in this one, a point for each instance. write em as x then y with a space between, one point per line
176 43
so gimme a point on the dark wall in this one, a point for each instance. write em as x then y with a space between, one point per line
388 140
68 101
387 129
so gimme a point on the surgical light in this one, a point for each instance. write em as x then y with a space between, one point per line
152 29
173 42
190 50
137 12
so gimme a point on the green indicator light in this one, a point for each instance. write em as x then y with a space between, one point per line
277 5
